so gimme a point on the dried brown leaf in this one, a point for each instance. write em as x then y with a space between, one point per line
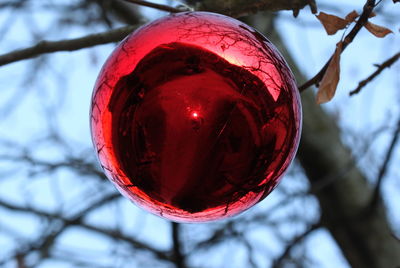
378 31
373 14
331 23
352 16
330 80
396 1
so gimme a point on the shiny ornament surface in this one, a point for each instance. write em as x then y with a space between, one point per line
195 117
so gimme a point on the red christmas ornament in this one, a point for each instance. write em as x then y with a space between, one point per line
195 117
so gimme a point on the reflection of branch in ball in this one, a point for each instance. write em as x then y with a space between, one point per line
200 130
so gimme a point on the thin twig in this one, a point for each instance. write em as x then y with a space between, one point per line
46 241
279 261
78 221
44 47
179 258
386 64
383 169
367 10
155 6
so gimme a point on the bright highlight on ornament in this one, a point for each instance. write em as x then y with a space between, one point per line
195 117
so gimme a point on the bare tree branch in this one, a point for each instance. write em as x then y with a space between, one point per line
240 8
46 241
384 167
386 64
179 258
155 6
133 242
354 237
367 10
279 261
44 47
78 221
42 166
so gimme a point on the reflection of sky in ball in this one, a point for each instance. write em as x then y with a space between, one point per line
310 47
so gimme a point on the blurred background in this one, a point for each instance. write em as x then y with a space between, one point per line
337 206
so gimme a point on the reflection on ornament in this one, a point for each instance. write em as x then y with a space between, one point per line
195 117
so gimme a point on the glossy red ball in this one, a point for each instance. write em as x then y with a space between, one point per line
195 117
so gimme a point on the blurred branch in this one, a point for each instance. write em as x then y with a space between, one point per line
218 235
279 262
384 167
77 164
76 262
125 12
240 8
330 178
179 258
386 64
51 232
13 4
155 6
367 10
20 261
77 220
250 252
44 47
133 242
236 228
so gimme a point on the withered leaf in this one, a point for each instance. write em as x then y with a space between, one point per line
395 1
330 80
352 16
378 31
331 23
